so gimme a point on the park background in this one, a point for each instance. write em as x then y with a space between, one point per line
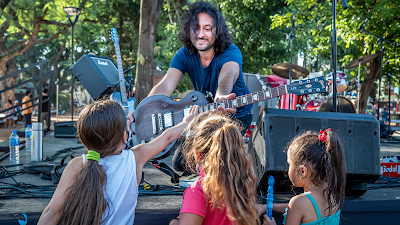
32 31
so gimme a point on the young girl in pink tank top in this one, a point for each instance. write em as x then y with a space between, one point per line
225 193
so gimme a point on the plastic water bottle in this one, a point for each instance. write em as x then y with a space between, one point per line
14 148
28 140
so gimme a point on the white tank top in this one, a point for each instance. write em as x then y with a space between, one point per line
121 189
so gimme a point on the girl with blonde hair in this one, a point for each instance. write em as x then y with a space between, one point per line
225 193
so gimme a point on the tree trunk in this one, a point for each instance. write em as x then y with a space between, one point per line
149 10
7 68
366 87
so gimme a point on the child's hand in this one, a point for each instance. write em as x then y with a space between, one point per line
267 221
193 112
261 209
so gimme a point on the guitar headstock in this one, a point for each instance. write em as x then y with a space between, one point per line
114 35
309 86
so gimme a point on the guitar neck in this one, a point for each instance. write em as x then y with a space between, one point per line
246 99
124 98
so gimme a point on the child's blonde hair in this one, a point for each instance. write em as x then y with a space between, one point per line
229 176
326 159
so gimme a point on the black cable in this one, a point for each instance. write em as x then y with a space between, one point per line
59 152
384 182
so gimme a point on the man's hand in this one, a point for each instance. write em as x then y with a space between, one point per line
130 119
225 97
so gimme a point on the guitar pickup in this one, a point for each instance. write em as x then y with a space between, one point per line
168 120
154 123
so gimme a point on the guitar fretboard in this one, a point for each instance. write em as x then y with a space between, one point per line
124 98
246 99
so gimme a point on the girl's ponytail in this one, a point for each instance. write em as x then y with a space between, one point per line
88 203
336 169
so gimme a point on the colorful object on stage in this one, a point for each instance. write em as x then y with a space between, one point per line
159 112
341 82
391 169
326 105
322 134
270 196
93 155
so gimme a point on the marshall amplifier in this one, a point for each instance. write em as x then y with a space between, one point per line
275 128
97 74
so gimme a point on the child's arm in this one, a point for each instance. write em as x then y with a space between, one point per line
147 151
277 207
54 210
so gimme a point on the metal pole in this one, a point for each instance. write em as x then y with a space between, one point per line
291 70
40 94
334 53
72 76
358 88
390 81
380 75
50 94
57 104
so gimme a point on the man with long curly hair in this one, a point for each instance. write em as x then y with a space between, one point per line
213 62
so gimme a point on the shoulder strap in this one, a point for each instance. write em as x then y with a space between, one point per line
315 205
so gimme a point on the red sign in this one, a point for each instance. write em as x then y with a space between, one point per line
391 169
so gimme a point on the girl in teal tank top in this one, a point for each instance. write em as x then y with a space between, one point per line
316 163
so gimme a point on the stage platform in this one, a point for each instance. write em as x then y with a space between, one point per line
378 206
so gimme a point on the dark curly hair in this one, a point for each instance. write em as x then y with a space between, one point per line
190 23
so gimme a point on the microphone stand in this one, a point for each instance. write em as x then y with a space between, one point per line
291 36
334 50
380 40
390 82
334 54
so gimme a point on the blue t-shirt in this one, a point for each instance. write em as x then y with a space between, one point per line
206 79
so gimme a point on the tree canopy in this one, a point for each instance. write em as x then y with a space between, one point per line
31 31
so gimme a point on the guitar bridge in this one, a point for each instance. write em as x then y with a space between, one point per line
160 122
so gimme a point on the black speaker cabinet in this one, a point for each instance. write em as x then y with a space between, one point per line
65 129
275 128
97 74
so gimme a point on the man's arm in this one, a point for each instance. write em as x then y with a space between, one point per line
168 84
226 79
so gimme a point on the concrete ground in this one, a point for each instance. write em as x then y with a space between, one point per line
152 175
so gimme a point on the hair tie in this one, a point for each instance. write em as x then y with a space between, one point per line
322 134
93 155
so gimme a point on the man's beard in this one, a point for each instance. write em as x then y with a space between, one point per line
207 48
